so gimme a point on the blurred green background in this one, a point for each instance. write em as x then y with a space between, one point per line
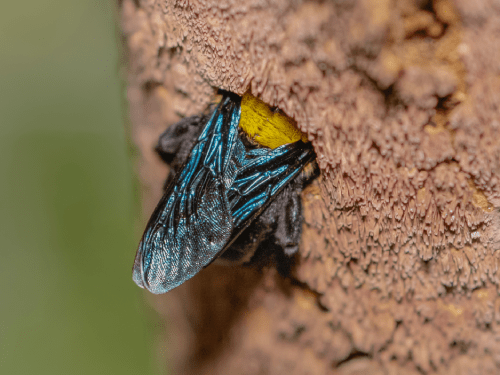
67 229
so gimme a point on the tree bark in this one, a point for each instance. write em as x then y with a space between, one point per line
397 271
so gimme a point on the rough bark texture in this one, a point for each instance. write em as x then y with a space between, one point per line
398 271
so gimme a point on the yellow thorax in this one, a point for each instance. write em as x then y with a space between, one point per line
268 128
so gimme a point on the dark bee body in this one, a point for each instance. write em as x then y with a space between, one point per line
221 186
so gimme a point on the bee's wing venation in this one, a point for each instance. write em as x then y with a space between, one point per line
193 220
262 178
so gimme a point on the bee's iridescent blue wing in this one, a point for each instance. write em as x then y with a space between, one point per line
193 221
262 178
218 192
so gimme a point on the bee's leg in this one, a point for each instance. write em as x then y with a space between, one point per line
288 217
175 143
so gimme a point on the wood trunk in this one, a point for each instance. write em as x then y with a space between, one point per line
398 268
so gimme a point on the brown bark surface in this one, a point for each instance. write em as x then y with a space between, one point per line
398 269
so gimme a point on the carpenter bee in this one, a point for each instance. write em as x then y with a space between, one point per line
238 167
